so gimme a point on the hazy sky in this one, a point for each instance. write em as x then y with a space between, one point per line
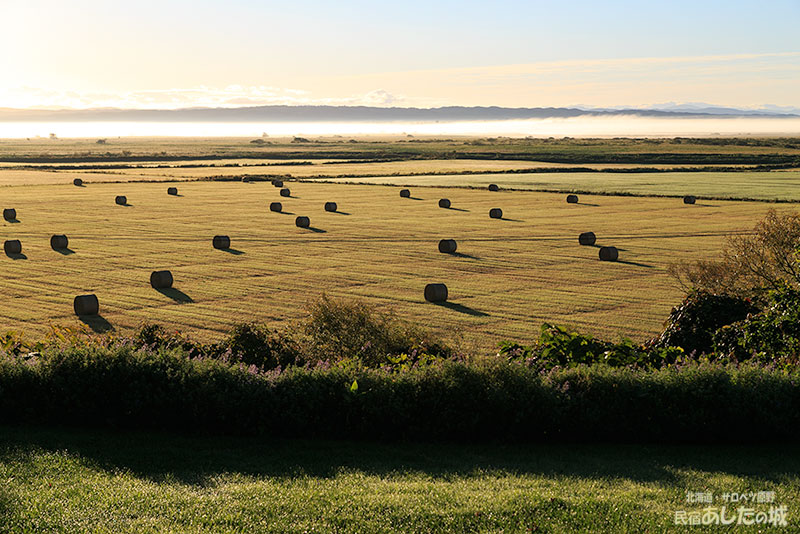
81 53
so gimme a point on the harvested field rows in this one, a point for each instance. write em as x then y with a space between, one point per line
763 185
508 276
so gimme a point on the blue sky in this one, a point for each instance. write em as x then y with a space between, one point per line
510 53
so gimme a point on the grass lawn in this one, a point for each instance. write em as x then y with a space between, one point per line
89 481
762 185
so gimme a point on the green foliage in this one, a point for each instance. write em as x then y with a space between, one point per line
493 399
772 334
561 347
691 325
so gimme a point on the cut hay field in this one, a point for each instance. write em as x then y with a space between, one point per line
508 277
184 170
763 185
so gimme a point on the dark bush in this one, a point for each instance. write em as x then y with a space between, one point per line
691 325
487 400
255 344
773 333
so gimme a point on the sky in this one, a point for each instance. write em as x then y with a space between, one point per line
171 54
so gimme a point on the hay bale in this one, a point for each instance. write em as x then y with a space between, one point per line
172 191
302 222
59 242
277 183
405 193
496 213
330 206
444 203
161 279
436 292
609 253
13 246
86 305
10 214
285 192
275 206
689 199
493 187
77 182
587 238
221 242
572 199
121 200
245 179
447 246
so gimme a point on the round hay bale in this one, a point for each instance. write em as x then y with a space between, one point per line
10 214
444 203
436 292
86 305
77 182
689 199
609 253
13 246
587 238
59 242
277 183
447 246
245 179
221 242
330 206
121 200
161 279
302 222
496 213
493 187
172 191
285 192
405 193
572 199
275 206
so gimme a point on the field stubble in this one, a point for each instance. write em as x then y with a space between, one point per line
508 277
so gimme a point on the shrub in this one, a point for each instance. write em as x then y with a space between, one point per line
772 334
338 329
691 325
750 263
489 400
560 347
255 344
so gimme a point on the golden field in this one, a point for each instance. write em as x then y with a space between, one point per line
507 278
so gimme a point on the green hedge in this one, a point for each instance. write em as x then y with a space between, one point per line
491 400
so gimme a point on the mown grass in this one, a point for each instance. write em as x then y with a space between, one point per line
56 480
711 150
782 185
507 278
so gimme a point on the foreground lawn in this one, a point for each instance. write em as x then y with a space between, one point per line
86 481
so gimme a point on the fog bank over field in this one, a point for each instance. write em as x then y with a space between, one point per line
579 126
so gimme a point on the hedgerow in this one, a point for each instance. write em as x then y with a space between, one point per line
491 399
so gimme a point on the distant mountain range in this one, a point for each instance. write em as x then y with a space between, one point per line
373 114
710 109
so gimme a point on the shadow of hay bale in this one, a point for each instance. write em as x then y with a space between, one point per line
97 323
175 294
